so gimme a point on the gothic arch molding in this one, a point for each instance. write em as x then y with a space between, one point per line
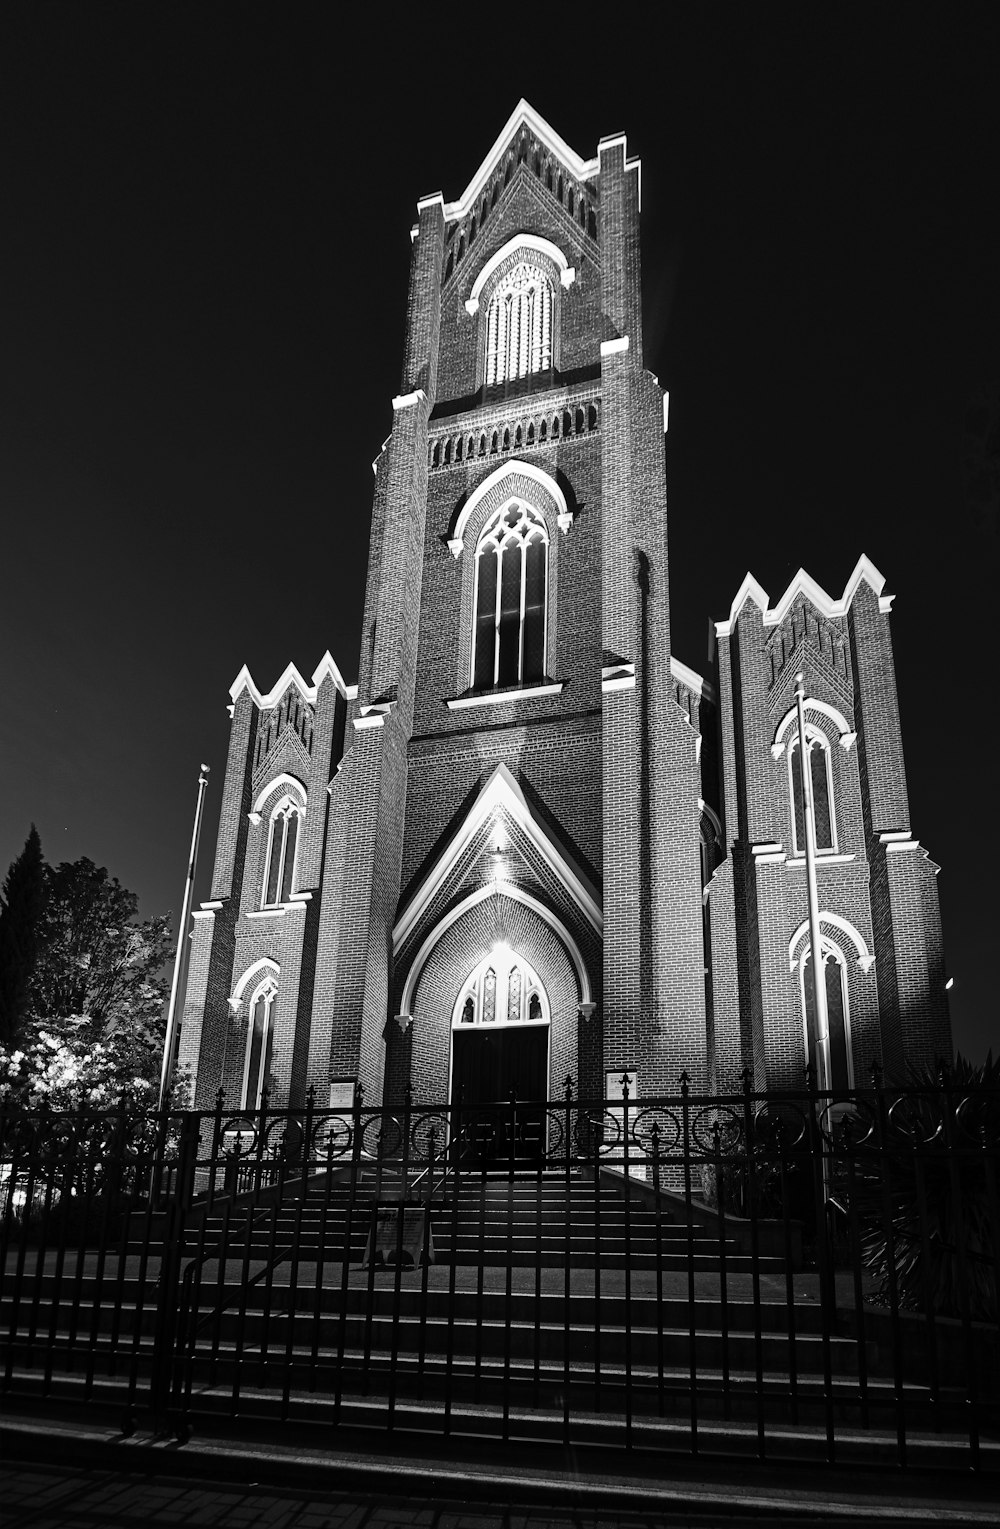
551 253
822 709
273 785
455 947
833 921
258 969
539 488
517 894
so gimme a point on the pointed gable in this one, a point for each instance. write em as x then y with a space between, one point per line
525 131
501 800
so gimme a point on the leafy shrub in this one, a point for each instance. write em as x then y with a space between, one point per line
941 1139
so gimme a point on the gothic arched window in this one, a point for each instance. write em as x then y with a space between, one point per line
279 866
519 325
509 617
260 1044
502 990
821 771
828 1055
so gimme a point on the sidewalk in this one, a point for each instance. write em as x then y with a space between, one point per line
75 1472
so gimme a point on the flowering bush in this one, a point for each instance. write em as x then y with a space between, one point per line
66 1069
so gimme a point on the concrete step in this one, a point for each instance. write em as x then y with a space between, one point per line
373 1368
468 1421
375 1290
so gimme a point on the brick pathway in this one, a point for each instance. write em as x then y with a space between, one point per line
59 1497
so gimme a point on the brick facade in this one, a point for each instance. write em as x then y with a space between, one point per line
621 824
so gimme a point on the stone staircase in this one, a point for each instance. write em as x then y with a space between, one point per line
551 1312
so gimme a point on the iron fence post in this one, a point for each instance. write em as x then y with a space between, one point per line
169 1325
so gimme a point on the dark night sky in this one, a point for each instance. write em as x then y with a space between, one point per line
203 272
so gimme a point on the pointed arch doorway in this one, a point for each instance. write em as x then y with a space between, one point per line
499 1046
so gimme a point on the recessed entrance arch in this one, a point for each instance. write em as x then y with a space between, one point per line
499 1052
439 981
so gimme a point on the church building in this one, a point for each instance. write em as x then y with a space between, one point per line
531 844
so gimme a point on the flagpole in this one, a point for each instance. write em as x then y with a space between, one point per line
818 964
173 1023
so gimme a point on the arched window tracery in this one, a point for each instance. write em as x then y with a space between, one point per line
260 1044
828 1055
519 325
503 989
282 843
509 618
821 773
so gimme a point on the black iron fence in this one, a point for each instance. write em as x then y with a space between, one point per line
773 1274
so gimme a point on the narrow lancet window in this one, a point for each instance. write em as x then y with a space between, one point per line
279 876
511 578
822 788
828 1055
260 1044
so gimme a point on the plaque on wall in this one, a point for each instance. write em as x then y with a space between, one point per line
615 1079
342 1093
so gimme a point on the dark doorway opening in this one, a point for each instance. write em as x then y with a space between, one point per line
487 1065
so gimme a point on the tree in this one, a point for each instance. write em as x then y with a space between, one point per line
93 1031
22 903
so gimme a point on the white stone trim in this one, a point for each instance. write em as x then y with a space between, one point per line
501 793
257 969
407 400
508 469
620 676
612 347
804 584
567 273
272 785
840 722
436 199
823 857
586 1011
630 164
496 697
694 681
492 889
712 816
522 115
325 668
666 409
373 716
274 910
894 846
865 958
